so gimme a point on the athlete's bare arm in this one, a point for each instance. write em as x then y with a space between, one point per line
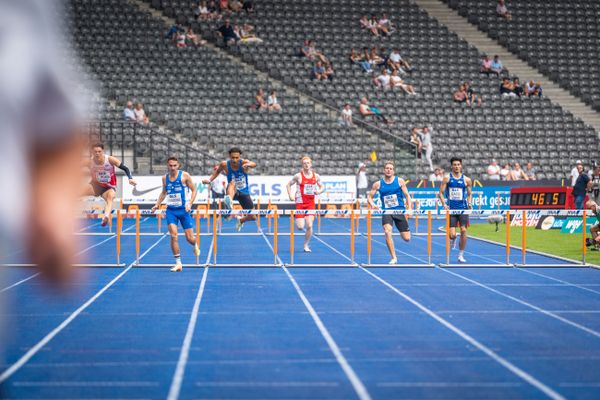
222 166
469 184
406 195
189 182
247 164
443 192
294 181
319 184
371 193
162 195
117 163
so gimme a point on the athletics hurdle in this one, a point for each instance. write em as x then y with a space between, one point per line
370 213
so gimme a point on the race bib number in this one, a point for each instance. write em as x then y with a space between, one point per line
174 200
456 194
103 177
390 201
240 182
310 189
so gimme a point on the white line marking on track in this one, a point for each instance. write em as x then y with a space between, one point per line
558 280
106 240
500 360
175 388
450 384
18 283
86 384
357 384
255 384
527 304
35 349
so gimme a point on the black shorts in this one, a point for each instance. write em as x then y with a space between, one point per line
245 200
100 190
398 220
463 219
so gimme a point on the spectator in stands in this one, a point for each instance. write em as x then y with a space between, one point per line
213 9
486 65
425 134
140 114
471 95
357 58
128 112
415 139
248 6
594 184
396 81
180 39
505 174
436 176
370 24
259 100
507 88
375 58
272 102
460 95
318 72
517 88
533 89
497 66
329 72
382 80
502 11
246 34
346 117
575 172
397 63
580 187
172 32
201 11
227 33
517 173
309 51
362 181
224 6
530 171
367 111
493 171
235 5
384 25
193 38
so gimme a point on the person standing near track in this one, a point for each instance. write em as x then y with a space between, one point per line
104 177
175 183
236 169
309 185
594 229
456 188
394 196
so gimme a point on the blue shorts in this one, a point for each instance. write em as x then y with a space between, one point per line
174 216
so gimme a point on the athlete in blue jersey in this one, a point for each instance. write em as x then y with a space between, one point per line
394 196
175 184
456 194
236 169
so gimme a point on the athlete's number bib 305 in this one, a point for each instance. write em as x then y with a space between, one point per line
103 177
456 194
240 182
310 189
174 200
390 201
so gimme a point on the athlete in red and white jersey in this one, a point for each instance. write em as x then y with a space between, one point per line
308 185
104 177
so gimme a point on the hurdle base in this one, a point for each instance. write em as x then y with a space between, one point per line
168 265
244 265
397 265
321 265
467 265
573 265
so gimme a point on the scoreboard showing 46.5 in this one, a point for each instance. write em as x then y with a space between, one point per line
539 197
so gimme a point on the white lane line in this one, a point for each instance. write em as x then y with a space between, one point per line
35 349
558 280
18 283
527 304
177 381
85 228
451 384
357 384
500 360
86 384
255 384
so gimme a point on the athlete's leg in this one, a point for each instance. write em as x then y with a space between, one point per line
108 197
309 231
175 243
463 238
185 218
389 241
300 222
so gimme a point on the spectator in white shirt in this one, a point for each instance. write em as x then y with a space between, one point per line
346 117
502 11
575 173
383 80
362 182
425 134
272 102
128 113
493 171
140 114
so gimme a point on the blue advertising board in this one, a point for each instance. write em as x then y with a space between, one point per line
486 196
